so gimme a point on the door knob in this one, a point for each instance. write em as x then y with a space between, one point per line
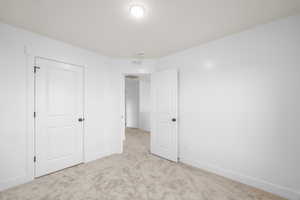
173 119
81 119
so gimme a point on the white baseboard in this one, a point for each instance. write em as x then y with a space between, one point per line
14 182
254 182
24 179
97 156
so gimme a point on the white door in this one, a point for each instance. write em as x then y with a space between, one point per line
59 116
164 96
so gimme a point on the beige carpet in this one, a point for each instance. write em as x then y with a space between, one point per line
134 175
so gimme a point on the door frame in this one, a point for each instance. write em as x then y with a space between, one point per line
83 146
123 103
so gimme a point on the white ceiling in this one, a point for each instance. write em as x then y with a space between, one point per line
105 26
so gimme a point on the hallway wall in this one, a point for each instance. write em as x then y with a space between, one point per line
144 102
132 102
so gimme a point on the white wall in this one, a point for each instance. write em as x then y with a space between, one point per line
144 102
132 102
239 106
102 100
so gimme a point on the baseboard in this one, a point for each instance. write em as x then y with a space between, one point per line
97 156
14 182
21 180
254 182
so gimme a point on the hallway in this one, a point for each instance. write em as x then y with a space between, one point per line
134 175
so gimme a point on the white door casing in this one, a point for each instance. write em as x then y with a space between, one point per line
59 105
123 110
164 112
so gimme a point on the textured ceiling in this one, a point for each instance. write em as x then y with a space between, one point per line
105 26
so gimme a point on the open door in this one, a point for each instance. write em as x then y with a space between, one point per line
164 100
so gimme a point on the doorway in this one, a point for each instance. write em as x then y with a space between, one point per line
59 115
156 111
137 111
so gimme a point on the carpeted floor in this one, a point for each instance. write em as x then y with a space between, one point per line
134 175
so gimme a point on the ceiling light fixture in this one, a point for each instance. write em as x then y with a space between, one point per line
137 11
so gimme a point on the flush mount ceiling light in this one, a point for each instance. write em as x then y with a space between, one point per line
137 11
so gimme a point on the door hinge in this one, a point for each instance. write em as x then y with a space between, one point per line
34 159
34 114
35 68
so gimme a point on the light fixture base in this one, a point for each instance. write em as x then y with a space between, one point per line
137 11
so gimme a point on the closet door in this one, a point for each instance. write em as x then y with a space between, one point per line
59 116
